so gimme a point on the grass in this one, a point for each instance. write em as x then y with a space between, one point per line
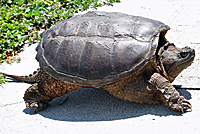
2 79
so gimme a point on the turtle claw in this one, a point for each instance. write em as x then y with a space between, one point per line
37 106
27 105
181 105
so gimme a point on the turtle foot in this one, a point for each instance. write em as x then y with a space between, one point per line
180 104
35 98
169 96
37 106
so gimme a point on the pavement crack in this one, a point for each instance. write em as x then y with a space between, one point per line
4 105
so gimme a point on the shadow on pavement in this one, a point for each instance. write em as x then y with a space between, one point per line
99 105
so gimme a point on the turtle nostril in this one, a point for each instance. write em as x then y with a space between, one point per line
187 47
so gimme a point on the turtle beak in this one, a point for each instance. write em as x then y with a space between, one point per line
190 51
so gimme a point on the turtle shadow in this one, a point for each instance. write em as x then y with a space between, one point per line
98 105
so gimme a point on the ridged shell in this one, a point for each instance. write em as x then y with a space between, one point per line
98 47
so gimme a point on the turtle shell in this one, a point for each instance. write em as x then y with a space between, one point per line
98 47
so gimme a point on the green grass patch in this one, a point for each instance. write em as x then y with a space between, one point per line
2 79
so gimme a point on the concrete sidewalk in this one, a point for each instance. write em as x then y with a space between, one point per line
92 111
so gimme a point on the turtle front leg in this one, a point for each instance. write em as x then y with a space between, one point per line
168 94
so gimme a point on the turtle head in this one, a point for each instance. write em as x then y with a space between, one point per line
175 60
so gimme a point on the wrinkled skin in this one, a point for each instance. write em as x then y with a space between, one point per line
151 84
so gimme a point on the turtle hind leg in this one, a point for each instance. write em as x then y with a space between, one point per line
41 93
168 94
34 98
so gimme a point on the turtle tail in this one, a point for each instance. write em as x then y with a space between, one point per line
32 78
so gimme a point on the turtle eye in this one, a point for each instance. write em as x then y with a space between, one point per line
183 54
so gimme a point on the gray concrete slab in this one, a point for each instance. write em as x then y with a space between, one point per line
95 111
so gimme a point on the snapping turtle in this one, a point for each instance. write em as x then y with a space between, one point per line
126 55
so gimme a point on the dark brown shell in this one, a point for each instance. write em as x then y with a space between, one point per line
98 47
